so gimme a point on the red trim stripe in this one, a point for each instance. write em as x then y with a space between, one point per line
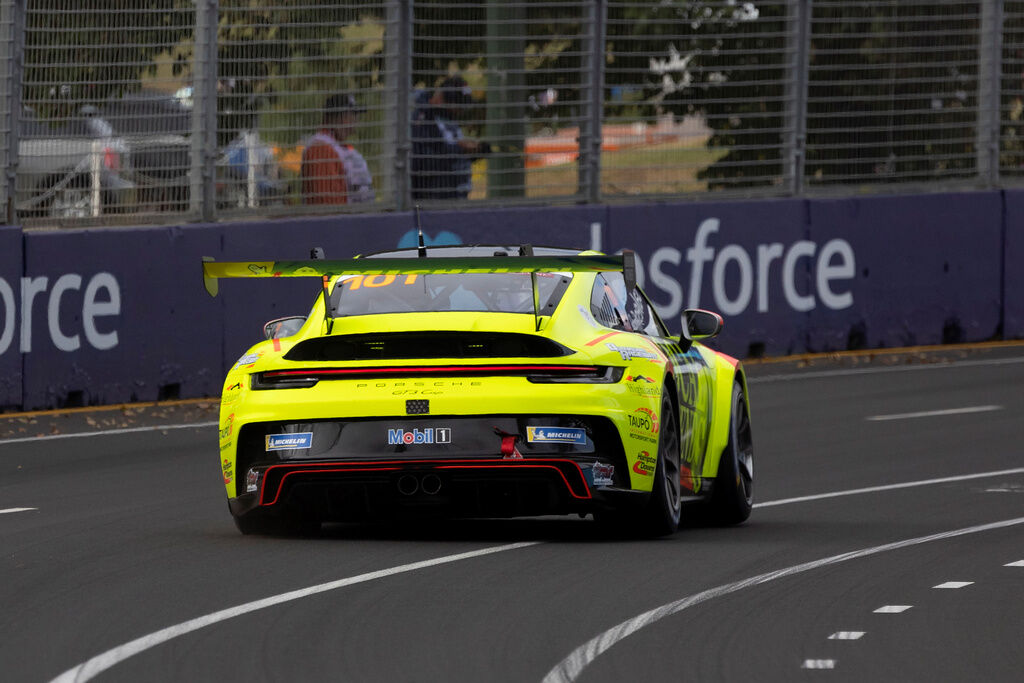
430 369
601 338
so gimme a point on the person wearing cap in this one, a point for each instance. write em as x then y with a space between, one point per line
334 172
441 157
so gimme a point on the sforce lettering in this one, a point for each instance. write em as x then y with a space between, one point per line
419 436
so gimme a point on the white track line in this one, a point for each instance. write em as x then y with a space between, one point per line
934 413
816 374
572 666
107 432
889 487
4 512
100 663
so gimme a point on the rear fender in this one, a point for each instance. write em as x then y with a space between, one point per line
727 371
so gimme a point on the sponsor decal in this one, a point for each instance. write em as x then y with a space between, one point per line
225 431
252 481
636 309
645 464
631 352
247 361
419 436
227 467
231 394
602 472
643 425
556 435
642 385
639 378
282 442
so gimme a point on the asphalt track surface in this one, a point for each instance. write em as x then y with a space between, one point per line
128 542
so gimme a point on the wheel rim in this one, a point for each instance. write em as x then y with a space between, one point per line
669 446
744 449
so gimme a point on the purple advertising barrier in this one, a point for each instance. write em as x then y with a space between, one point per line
10 316
1013 265
740 259
118 315
903 271
575 227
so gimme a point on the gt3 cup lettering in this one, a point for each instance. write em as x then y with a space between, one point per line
419 436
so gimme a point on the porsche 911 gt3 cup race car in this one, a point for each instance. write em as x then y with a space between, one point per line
482 382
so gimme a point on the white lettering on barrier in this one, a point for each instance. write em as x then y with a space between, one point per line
101 299
736 278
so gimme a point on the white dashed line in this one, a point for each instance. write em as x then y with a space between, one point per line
1018 563
934 413
818 664
4 512
847 635
890 487
954 584
892 609
570 668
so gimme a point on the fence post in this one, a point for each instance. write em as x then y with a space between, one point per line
204 110
794 141
398 53
12 23
506 118
990 50
592 96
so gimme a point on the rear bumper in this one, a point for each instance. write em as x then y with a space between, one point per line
382 489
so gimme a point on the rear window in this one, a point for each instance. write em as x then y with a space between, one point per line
490 292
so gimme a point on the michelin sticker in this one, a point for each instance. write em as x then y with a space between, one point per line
556 435
283 442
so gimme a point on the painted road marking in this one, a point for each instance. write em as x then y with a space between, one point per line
1018 563
934 413
954 584
892 609
875 371
847 635
4 512
100 663
890 487
818 664
128 430
570 668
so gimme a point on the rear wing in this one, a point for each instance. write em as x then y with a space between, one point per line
212 270
325 270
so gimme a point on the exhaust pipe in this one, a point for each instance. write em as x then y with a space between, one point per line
431 484
408 485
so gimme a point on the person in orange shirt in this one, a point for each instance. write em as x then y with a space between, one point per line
332 171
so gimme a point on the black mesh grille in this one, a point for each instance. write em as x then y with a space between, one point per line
401 345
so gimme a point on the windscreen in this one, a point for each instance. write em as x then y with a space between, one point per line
491 292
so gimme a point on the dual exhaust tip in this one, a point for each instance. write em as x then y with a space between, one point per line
410 484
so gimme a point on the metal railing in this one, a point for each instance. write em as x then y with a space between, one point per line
119 111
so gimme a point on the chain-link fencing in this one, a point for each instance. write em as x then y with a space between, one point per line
145 111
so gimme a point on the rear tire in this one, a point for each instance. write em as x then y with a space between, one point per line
661 516
732 498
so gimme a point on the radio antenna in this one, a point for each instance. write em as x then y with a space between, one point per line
421 247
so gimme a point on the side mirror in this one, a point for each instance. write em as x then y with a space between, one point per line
283 327
699 324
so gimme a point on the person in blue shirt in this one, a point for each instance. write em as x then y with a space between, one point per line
441 157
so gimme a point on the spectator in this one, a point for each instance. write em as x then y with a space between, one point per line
441 157
332 171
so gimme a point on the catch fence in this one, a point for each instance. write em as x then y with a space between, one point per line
155 111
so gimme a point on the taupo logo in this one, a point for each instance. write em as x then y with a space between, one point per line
100 299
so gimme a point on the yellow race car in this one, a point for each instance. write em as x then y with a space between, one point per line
480 381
